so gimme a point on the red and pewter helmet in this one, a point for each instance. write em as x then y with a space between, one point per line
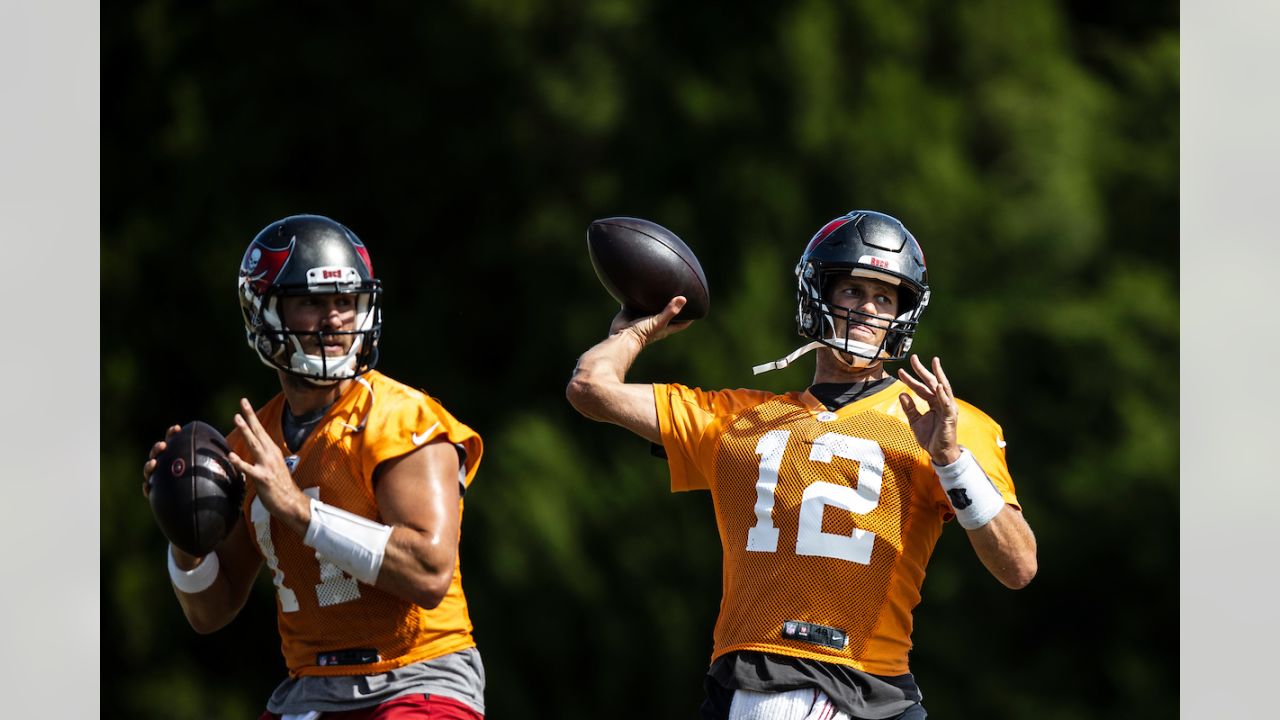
309 255
867 244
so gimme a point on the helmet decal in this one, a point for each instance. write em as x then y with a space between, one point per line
826 230
364 255
874 261
262 265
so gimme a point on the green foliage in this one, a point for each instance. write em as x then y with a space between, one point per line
1032 147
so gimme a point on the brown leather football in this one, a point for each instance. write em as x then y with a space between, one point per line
195 491
643 265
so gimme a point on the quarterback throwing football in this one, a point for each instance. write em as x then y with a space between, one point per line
829 500
353 500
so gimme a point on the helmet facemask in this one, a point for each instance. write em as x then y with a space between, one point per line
820 320
284 348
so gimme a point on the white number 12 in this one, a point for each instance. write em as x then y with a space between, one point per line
810 539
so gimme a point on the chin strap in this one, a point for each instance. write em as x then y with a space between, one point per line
852 347
783 362
319 369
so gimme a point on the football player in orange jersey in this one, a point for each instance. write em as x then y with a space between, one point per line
353 499
830 500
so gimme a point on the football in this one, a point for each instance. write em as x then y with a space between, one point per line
195 491
643 265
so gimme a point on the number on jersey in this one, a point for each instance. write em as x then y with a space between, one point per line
810 539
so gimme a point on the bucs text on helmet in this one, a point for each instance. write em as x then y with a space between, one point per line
866 244
309 255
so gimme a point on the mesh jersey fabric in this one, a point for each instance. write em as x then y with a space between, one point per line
321 609
824 517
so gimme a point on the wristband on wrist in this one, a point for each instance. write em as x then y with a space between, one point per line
196 580
354 543
973 497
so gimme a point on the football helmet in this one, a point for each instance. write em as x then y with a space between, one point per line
305 255
865 244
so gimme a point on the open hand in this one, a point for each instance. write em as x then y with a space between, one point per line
266 470
935 430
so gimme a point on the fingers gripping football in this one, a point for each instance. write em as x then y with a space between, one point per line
149 467
650 328
194 491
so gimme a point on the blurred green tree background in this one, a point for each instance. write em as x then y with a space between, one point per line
1031 146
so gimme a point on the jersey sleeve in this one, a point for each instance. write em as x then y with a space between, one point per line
985 439
690 421
462 437
407 420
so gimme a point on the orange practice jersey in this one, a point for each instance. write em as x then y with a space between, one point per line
321 609
825 518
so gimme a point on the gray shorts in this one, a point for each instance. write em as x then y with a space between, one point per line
458 675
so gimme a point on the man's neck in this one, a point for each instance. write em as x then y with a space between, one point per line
304 396
831 369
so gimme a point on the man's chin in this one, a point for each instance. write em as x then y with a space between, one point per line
857 362
301 382
861 361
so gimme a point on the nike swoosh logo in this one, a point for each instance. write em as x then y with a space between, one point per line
418 439
999 442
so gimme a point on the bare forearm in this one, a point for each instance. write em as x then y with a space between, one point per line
212 608
599 389
604 365
1007 548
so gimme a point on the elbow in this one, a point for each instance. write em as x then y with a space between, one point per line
1020 574
581 394
429 583
205 624
432 589
425 570
575 391
204 628
204 612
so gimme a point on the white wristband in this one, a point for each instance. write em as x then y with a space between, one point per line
973 497
354 543
199 578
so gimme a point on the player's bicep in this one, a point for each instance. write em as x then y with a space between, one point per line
420 490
